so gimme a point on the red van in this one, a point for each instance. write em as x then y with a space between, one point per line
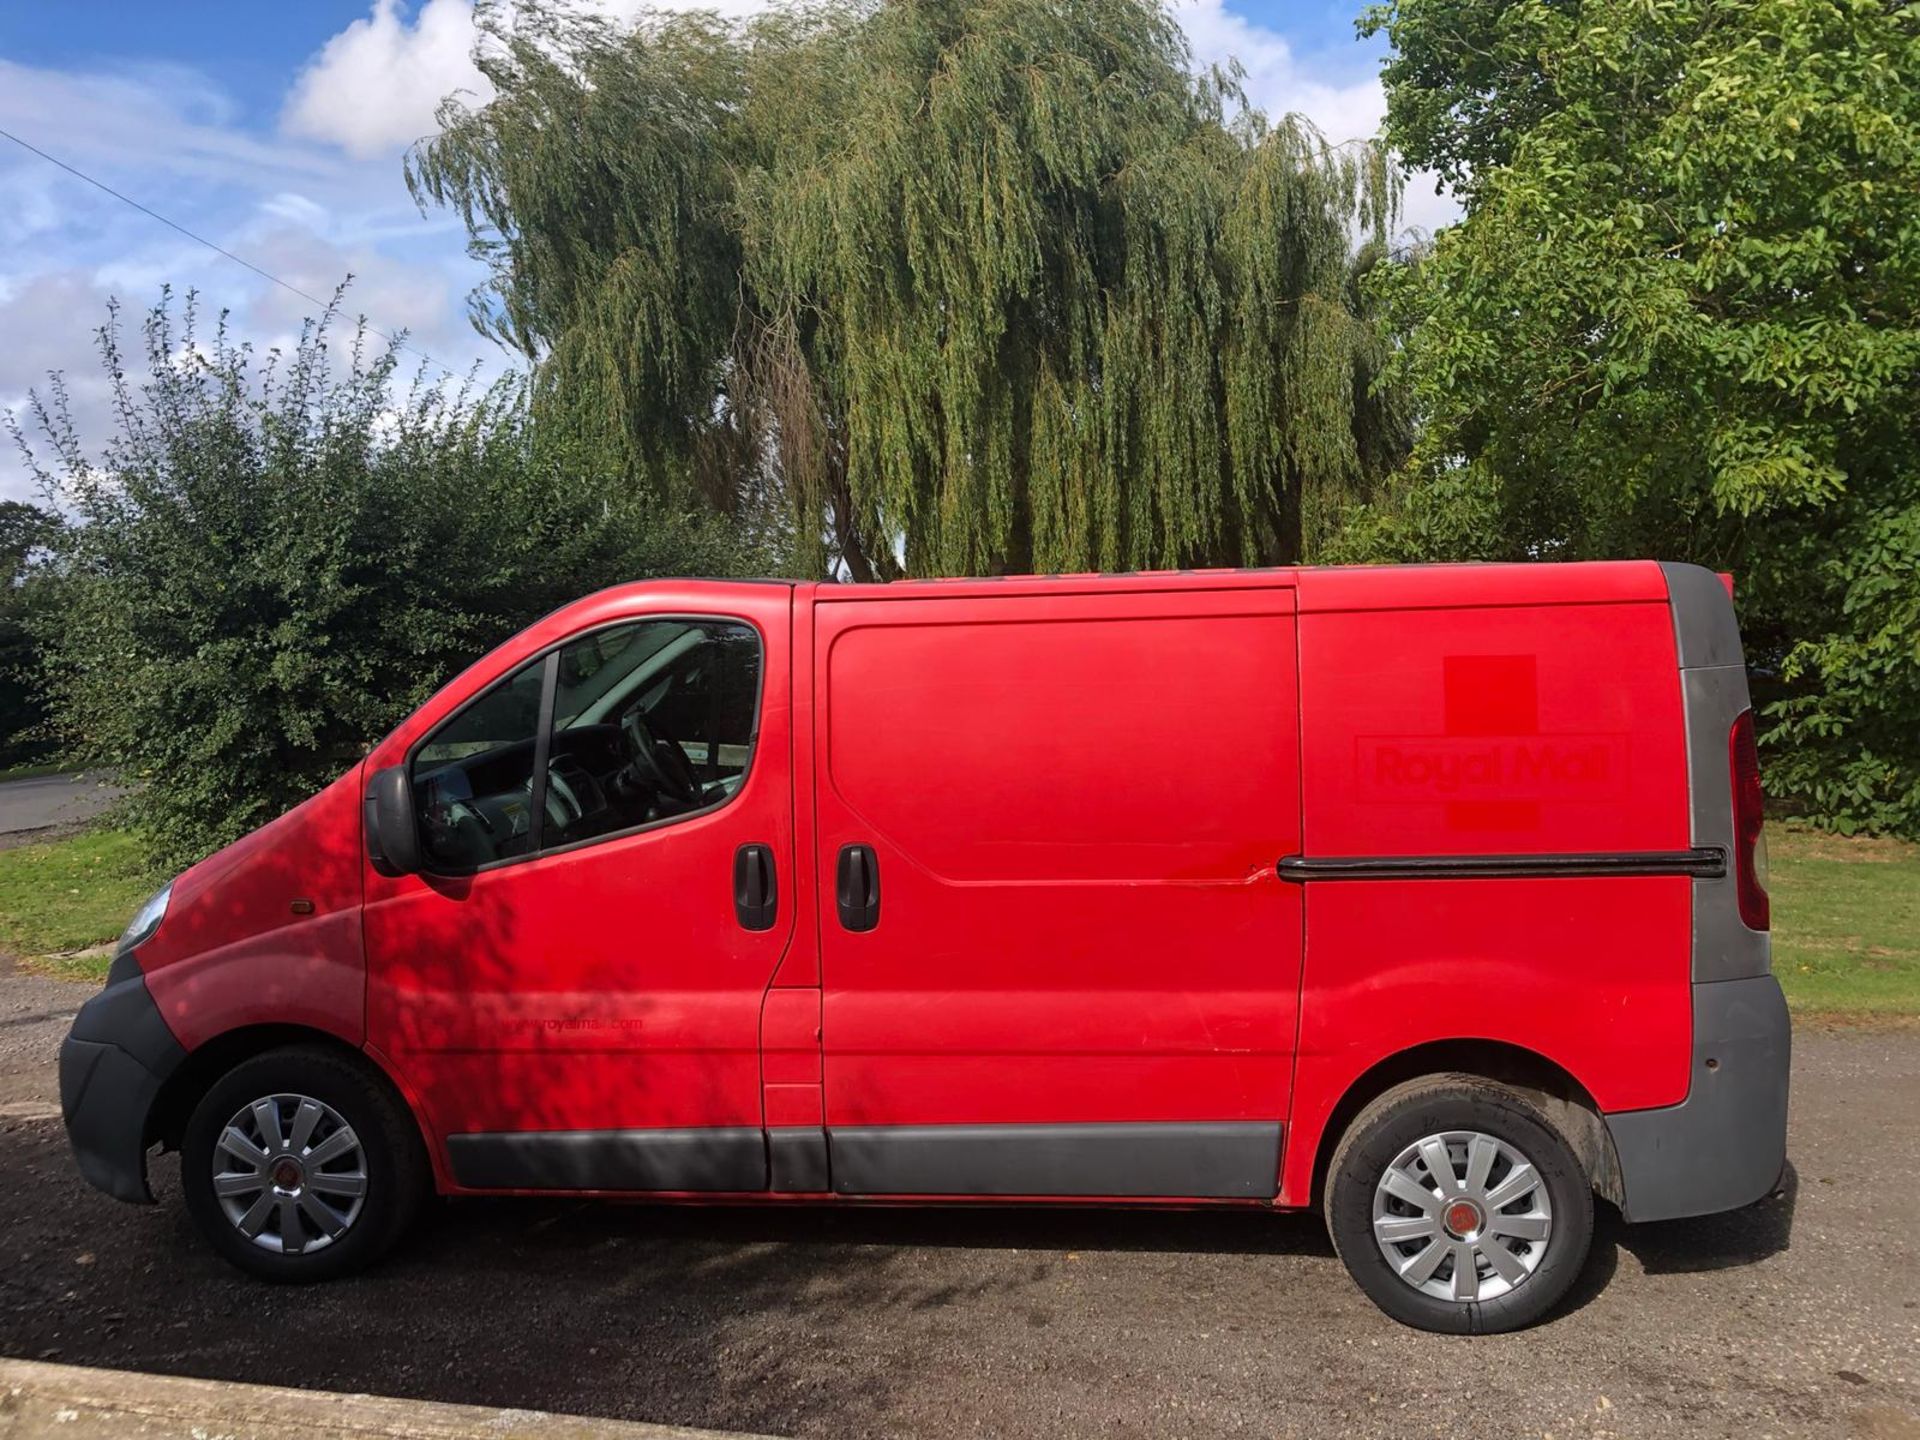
1430 897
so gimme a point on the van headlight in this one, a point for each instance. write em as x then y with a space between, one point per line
147 920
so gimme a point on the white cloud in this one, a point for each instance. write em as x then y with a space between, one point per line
393 294
1275 80
157 120
297 209
1344 108
373 88
172 138
1427 205
48 321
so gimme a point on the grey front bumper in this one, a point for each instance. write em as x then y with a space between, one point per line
1725 1145
112 1065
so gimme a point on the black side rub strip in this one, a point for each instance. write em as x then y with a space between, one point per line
1705 862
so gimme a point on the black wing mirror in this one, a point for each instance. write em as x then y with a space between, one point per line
393 837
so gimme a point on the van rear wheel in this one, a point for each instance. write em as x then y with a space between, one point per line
1458 1207
299 1165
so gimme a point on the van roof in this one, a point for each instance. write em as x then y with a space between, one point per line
1318 588
1321 588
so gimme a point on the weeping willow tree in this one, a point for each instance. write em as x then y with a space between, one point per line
954 286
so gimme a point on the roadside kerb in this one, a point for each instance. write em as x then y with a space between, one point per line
39 1401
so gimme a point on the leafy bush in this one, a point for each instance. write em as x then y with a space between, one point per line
273 560
24 529
1845 738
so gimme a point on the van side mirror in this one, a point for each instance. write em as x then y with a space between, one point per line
393 837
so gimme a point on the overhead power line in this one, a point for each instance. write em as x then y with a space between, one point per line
198 239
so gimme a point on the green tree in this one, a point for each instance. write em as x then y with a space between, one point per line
25 530
1681 317
274 560
973 285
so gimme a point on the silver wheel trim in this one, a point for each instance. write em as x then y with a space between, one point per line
290 1174
1440 1181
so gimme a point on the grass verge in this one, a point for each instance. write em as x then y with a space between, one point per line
1846 924
61 896
1846 915
33 771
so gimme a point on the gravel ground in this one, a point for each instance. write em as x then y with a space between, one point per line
34 1015
1798 1317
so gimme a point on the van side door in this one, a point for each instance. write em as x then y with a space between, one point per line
1055 955
572 991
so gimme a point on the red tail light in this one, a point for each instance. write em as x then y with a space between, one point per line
1749 836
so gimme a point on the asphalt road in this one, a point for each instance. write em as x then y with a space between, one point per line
52 803
1798 1317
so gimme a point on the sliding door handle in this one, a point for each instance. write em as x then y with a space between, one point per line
755 891
857 888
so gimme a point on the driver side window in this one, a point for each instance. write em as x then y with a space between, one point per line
473 779
652 721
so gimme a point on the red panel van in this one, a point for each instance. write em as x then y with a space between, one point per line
1432 898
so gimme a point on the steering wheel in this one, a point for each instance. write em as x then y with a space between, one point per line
659 760
564 807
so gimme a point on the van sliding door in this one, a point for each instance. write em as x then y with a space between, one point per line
1056 958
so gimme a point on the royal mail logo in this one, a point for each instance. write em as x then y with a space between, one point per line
1402 768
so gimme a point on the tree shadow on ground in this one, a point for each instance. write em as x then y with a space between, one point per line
755 1318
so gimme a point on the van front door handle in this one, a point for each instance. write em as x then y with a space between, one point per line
755 891
857 887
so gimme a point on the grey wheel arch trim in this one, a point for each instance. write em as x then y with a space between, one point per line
1725 1145
112 1065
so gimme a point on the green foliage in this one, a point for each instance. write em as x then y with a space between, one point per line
274 561
1682 318
984 285
1844 739
24 530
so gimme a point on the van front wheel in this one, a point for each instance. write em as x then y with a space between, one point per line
1458 1207
299 1165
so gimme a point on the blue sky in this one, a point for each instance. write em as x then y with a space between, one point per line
277 131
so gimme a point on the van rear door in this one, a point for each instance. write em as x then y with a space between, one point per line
1055 954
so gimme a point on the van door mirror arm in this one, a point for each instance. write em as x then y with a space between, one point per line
393 835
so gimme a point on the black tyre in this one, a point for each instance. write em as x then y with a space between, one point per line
301 1164
1458 1207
